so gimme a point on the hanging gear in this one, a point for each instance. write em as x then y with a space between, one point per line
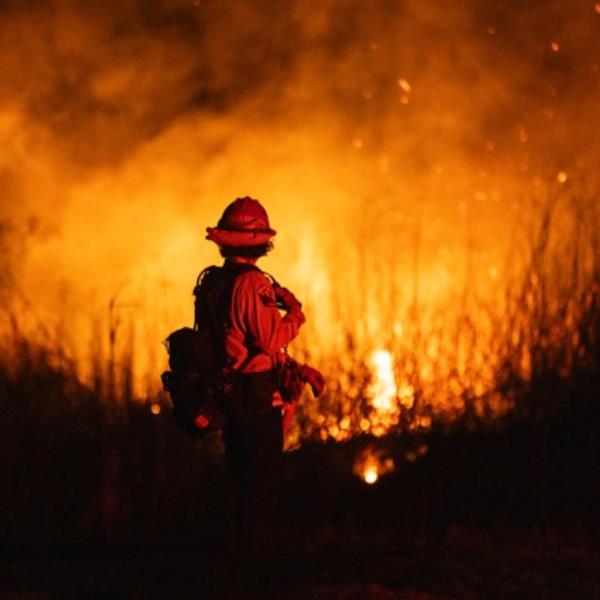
244 223
193 381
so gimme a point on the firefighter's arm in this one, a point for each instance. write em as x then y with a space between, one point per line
291 304
266 327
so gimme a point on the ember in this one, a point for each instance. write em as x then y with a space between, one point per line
371 463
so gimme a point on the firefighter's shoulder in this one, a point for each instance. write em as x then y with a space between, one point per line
256 282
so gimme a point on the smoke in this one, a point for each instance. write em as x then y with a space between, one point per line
126 127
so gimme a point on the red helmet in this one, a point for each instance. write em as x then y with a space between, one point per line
244 223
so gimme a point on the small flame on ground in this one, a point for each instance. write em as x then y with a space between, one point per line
371 463
155 408
370 475
404 85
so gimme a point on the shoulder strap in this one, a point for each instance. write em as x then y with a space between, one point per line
213 292
210 272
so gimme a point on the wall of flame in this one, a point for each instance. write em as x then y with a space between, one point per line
407 152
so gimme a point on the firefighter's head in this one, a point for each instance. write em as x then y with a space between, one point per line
243 230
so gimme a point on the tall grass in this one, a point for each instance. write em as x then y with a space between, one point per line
518 347
90 460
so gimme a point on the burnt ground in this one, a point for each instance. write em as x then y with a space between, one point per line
464 565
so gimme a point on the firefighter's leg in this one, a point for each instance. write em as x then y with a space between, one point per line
254 452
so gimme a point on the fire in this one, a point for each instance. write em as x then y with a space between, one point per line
422 231
370 475
383 390
371 463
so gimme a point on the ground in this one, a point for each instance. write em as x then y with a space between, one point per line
468 565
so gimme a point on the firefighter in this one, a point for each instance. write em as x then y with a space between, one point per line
254 332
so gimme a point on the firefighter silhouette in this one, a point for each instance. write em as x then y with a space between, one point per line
251 338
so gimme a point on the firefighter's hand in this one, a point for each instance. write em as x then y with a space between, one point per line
314 379
287 299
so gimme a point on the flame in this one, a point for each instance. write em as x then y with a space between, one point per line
371 463
383 389
412 208
370 474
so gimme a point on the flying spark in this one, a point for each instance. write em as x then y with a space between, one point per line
404 85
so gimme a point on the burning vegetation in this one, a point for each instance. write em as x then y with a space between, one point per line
371 463
433 172
433 175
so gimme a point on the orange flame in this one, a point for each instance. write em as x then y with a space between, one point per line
371 463
416 219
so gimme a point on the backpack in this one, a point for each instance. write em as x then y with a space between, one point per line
198 379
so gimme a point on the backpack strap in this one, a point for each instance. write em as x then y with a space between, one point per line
211 271
213 292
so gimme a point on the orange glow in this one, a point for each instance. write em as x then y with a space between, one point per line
383 389
370 475
404 86
423 212
371 463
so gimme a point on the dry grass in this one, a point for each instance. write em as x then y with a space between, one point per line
88 460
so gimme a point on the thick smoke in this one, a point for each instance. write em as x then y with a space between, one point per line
126 127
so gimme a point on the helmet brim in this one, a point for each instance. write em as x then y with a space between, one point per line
229 237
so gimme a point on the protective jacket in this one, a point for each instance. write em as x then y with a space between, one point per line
255 331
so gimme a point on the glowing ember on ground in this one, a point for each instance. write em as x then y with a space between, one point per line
404 85
371 475
371 463
155 408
